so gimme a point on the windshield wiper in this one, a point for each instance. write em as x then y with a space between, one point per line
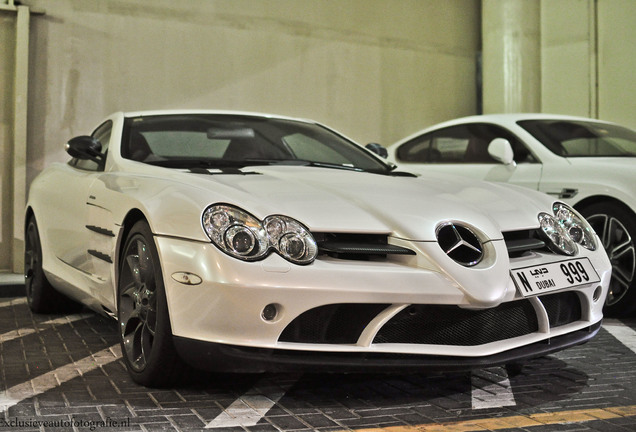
204 163
304 162
186 163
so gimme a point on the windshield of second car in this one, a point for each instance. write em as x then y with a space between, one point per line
582 139
223 140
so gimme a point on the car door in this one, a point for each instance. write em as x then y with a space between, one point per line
463 150
69 217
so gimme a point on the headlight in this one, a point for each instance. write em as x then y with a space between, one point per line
566 229
243 236
578 229
560 242
235 232
291 239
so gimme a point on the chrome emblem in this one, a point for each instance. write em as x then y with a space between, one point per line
460 243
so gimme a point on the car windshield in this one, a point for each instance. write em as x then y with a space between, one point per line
582 139
234 141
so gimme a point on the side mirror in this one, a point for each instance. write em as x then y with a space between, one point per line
501 150
377 149
85 147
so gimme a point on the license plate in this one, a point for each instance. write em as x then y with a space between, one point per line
544 278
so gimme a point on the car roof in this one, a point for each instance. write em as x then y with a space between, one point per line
219 112
499 118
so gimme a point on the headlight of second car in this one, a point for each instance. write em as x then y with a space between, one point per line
566 229
243 236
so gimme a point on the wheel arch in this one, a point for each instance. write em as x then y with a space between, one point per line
28 214
604 199
132 217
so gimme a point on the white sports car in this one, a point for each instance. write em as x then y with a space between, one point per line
244 242
588 164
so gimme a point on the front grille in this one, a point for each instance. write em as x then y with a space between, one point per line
563 308
519 242
331 324
357 246
452 325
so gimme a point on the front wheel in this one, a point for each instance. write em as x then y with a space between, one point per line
616 227
144 324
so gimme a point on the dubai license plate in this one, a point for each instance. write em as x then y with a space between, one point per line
545 278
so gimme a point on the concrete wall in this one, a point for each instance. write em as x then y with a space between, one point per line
589 58
617 61
7 59
374 69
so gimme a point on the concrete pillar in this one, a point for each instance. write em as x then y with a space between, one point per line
511 46
20 135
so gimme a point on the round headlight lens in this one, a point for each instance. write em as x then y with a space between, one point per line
292 245
578 229
240 240
559 240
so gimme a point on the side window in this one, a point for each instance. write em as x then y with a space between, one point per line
448 145
102 134
466 143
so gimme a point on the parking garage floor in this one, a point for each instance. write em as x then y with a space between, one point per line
65 373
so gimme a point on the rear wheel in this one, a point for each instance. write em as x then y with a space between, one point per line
41 296
144 324
616 228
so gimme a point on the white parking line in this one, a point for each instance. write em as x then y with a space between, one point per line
491 388
55 378
626 335
18 333
14 301
251 407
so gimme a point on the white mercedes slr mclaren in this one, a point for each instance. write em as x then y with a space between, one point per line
243 242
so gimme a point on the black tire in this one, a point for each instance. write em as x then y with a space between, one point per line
144 324
40 294
616 227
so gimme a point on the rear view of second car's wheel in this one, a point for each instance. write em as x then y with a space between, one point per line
616 227
144 324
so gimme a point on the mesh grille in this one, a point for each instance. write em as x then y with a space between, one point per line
331 324
563 308
451 325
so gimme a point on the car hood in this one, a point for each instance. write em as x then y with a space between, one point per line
331 200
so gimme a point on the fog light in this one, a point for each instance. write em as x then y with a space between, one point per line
597 293
269 312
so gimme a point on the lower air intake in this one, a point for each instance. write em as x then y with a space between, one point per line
451 325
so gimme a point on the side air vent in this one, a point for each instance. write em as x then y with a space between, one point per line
357 246
520 242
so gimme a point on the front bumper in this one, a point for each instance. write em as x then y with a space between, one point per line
224 315
239 359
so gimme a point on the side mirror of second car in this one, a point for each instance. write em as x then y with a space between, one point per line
501 150
85 147
378 149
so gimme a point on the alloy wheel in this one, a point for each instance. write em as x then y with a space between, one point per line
620 248
138 303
